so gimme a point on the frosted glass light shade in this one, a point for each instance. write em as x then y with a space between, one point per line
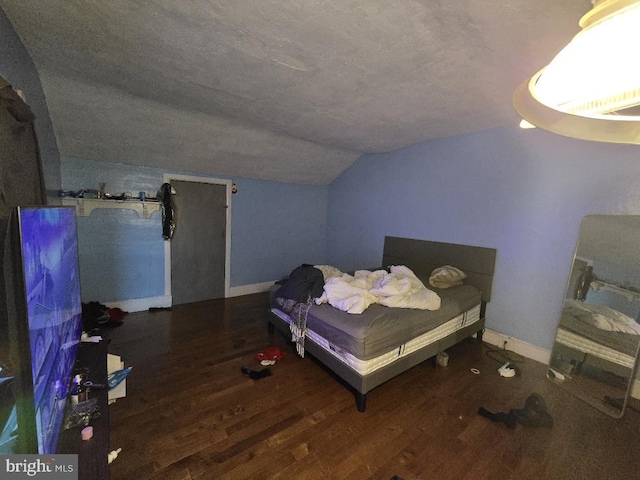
589 89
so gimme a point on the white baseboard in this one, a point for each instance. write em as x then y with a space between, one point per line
249 289
141 304
525 349
533 352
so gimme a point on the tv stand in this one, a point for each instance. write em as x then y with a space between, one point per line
92 453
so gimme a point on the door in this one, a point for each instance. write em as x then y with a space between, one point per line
198 245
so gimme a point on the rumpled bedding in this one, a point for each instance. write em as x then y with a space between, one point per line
601 317
399 288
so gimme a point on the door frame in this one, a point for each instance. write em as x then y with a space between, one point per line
167 178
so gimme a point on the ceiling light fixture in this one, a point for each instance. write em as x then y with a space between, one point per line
591 89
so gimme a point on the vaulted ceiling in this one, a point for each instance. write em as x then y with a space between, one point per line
287 90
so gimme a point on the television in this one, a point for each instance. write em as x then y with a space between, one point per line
44 319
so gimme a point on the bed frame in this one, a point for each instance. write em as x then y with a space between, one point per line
422 257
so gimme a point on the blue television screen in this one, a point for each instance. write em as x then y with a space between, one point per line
49 245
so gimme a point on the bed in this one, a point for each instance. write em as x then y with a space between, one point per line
368 349
597 336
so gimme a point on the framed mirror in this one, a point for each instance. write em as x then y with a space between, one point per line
595 352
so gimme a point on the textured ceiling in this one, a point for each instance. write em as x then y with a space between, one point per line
288 90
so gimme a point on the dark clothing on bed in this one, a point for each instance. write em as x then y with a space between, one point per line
305 281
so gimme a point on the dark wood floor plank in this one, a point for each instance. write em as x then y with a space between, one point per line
191 414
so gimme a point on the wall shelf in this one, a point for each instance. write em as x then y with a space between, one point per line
84 206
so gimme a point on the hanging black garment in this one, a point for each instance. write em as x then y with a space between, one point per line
168 219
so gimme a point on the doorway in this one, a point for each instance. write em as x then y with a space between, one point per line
199 251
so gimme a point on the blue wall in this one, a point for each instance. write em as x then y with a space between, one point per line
121 254
521 192
274 228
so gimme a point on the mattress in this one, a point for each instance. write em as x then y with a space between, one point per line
626 343
367 366
579 334
380 329
585 345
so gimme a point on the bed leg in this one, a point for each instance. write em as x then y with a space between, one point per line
361 401
479 335
270 328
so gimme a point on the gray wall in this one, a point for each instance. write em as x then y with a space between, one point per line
18 69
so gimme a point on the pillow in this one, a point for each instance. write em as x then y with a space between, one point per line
328 271
447 276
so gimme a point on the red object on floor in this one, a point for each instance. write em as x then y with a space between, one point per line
271 353
116 314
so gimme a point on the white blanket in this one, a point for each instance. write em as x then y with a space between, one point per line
604 318
399 289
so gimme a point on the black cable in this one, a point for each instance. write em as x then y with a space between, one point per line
502 355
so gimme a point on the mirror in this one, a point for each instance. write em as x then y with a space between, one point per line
596 347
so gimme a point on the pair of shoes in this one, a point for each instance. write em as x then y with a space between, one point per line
534 413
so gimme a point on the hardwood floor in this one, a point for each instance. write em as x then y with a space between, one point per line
191 414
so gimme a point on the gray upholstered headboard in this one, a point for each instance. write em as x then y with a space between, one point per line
423 256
